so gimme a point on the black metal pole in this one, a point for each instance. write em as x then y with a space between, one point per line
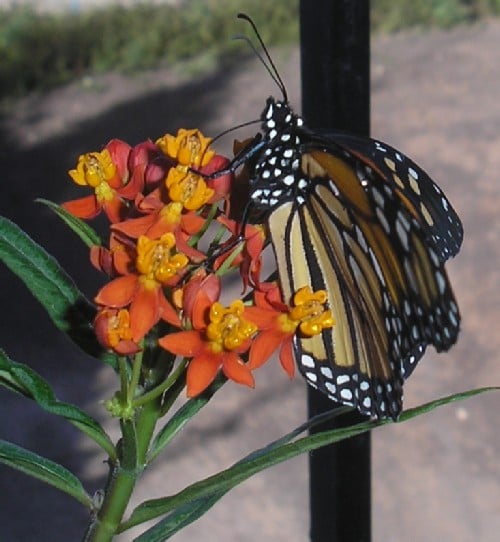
335 55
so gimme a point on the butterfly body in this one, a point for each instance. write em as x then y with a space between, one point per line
358 219
277 174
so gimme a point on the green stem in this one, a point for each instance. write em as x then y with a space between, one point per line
136 374
223 269
122 365
146 421
193 241
162 388
125 473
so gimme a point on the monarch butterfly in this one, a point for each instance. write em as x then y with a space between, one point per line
357 218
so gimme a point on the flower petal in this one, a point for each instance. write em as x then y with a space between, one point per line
119 151
201 372
117 293
262 318
144 312
115 209
286 357
191 223
168 313
236 370
135 183
199 294
263 347
183 246
135 227
145 152
84 207
127 348
182 343
221 185
101 259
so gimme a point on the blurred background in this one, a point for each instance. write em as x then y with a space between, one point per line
74 74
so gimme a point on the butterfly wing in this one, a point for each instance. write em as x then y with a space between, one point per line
387 289
417 191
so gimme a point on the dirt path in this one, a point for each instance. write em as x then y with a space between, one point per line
435 96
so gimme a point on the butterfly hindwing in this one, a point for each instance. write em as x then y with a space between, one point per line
351 362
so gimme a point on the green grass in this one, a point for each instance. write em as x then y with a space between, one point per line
391 15
40 51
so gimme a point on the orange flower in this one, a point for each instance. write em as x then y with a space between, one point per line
188 189
118 259
220 184
156 265
106 172
279 324
220 335
161 218
189 148
178 209
154 162
198 295
112 328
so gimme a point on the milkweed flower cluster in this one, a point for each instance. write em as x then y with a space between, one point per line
160 199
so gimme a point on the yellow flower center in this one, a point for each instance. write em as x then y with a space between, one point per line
308 313
119 327
188 188
172 212
227 329
156 260
95 169
189 147
104 192
190 150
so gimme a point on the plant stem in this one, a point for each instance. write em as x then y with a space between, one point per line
125 473
163 387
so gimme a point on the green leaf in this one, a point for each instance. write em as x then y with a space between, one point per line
191 511
67 307
42 468
182 517
87 234
208 491
25 381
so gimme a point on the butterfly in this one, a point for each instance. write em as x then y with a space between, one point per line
357 218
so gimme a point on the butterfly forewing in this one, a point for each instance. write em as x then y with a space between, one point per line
418 192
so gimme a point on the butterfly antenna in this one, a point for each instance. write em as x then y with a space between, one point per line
233 128
269 65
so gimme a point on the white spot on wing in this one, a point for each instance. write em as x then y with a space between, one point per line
413 173
330 387
307 361
312 377
383 220
327 372
346 394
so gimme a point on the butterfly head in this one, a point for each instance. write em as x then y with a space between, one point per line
279 118
277 174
